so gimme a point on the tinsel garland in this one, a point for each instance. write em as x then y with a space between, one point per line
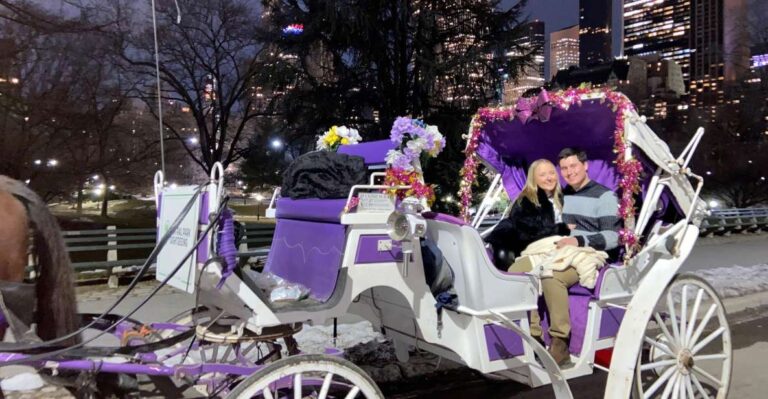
399 177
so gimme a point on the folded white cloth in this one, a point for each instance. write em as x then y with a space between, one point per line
546 258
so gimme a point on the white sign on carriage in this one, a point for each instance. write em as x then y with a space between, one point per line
183 239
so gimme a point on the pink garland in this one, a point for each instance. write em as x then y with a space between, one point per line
629 169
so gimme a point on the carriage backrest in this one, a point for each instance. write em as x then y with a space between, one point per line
374 152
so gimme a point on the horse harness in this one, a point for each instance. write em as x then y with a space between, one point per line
18 304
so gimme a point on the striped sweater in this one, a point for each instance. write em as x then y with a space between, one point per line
594 211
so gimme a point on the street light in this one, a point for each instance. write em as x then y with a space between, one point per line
52 162
276 144
258 198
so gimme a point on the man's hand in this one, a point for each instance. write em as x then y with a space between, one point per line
567 241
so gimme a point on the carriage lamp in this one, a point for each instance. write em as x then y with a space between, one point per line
405 226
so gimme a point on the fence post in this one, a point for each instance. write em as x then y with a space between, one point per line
112 281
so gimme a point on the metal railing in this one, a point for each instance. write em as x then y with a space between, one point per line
728 221
115 251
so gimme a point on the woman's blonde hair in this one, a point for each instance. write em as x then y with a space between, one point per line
530 190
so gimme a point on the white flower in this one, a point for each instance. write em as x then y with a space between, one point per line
432 129
354 136
321 143
417 145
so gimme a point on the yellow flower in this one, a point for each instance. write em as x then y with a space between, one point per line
345 141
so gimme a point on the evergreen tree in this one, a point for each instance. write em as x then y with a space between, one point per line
364 63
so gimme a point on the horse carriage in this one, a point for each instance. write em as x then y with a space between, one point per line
655 332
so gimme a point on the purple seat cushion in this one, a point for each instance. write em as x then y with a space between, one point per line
308 253
374 152
578 289
325 210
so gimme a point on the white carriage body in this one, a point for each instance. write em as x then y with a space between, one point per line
394 296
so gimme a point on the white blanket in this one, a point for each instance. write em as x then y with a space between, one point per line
546 258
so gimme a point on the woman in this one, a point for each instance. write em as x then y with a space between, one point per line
535 214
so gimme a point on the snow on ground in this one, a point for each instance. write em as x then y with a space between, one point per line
733 281
315 339
370 351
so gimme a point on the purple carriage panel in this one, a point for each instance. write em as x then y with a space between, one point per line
308 244
502 343
368 250
610 321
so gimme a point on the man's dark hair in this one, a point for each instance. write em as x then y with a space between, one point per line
571 151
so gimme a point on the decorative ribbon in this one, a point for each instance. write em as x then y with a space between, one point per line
539 108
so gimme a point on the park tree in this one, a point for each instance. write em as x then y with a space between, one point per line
209 62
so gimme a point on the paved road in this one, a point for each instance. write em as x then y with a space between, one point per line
737 249
748 378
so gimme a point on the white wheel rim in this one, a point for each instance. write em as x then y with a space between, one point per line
688 343
325 375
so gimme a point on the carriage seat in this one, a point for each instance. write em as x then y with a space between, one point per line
308 244
311 209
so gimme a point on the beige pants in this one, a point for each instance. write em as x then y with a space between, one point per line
555 295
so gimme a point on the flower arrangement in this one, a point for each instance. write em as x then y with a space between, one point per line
414 140
627 165
336 136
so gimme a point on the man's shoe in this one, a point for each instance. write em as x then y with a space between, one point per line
539 340
559 351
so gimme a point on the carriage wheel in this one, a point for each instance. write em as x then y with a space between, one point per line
317 376
687 349
246 353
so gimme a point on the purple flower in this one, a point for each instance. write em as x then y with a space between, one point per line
401 126
398 160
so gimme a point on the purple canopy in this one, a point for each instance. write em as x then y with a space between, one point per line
511 146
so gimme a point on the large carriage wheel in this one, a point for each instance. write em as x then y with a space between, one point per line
687 344
317 376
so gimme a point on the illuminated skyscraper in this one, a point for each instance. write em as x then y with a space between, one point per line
563 49
660 27
721 56
531 41
594 32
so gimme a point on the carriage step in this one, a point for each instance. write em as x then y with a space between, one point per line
224 333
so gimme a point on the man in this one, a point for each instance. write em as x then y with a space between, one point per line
592 209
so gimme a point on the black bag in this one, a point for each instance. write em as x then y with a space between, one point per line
324 175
